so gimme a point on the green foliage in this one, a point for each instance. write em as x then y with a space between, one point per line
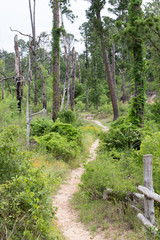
25 208
121 135
80 106
13 162
155 111
63 140
41 126
67 116
151 145
67 130
58 145
25 186
105 173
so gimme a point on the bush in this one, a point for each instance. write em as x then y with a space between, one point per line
58 146
67 117
151 145
104 173
67 130
13 162
41 126
121 135
25 210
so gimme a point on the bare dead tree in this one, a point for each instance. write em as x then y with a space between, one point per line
18 74
73 78
3 69
34 46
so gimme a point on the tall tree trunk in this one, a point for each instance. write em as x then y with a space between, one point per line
67 65
113 64
137 108
68 93
69 73
64 93
28 119
87 105
123 85
44 101
73 78
107 65
55 56
18 75
111 84
3 82
79 70
34 47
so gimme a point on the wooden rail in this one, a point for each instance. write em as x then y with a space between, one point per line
149 196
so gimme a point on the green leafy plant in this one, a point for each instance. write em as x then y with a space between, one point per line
122 135
58 146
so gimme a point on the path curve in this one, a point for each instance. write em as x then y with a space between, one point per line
101 125
67 217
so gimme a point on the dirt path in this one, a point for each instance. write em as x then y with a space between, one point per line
67 217
101 125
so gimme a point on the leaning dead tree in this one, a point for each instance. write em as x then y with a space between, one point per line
18 74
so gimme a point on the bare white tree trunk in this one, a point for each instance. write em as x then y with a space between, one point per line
69 73
73 78
28 119
63 97
34 46
3 82
44 101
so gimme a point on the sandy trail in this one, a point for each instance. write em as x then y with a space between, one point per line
67 217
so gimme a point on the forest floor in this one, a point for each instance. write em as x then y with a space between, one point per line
66 216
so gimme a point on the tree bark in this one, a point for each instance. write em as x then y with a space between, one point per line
44 101
123 85
28 120
113 64
18 76
69 73
107 67
34 47
73 78
55 56
3 82
64 93
87 105
79 70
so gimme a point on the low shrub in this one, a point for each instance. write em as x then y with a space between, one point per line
67 117
121 135
58 145
67 130
13 162
105 173
25 189
151 145
41 126
26 210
